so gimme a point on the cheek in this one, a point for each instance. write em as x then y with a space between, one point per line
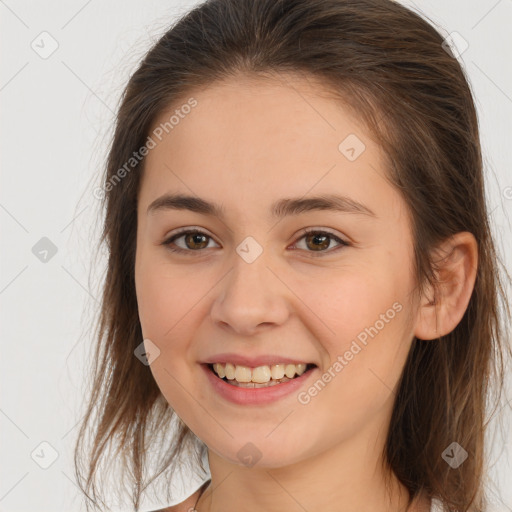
351 303
157 304
359 316
165 295
368 337
171 302
166 308
168 315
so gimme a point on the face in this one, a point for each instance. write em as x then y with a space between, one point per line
253 284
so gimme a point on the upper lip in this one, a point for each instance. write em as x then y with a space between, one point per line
253 362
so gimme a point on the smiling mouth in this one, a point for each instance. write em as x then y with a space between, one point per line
260 377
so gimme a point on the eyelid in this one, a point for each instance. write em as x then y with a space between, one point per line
341 241
188 229
185 231
304 232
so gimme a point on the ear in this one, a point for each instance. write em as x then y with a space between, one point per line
456 261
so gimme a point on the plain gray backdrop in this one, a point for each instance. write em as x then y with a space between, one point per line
63 67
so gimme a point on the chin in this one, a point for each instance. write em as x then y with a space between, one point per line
249 452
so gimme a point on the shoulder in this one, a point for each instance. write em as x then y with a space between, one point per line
185 506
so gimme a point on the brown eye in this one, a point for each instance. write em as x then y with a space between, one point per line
317 241
193 241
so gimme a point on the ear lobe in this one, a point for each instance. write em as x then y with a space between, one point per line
455 264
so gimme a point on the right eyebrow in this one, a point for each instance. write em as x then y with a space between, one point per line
279 209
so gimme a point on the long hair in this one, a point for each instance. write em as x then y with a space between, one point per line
393 69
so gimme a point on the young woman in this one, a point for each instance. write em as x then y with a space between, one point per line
302 281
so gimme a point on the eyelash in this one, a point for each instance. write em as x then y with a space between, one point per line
304 233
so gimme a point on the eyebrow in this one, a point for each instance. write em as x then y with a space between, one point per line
279 209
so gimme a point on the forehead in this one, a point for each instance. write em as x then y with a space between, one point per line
278 136
283 104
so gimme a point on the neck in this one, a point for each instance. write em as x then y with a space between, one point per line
347 478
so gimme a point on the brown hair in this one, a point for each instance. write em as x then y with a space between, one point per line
390 66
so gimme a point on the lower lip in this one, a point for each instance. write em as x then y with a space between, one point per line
250 396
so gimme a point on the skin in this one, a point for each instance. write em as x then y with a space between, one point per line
246 144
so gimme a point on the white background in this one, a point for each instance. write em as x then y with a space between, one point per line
56 122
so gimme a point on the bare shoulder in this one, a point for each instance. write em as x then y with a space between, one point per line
184 506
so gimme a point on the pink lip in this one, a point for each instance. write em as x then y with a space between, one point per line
252 362
254 396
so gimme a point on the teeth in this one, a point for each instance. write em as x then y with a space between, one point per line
229 370
259 375
243 374
278 371
289 371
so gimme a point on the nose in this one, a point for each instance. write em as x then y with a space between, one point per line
251 296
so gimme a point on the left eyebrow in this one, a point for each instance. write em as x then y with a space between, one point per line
279 209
